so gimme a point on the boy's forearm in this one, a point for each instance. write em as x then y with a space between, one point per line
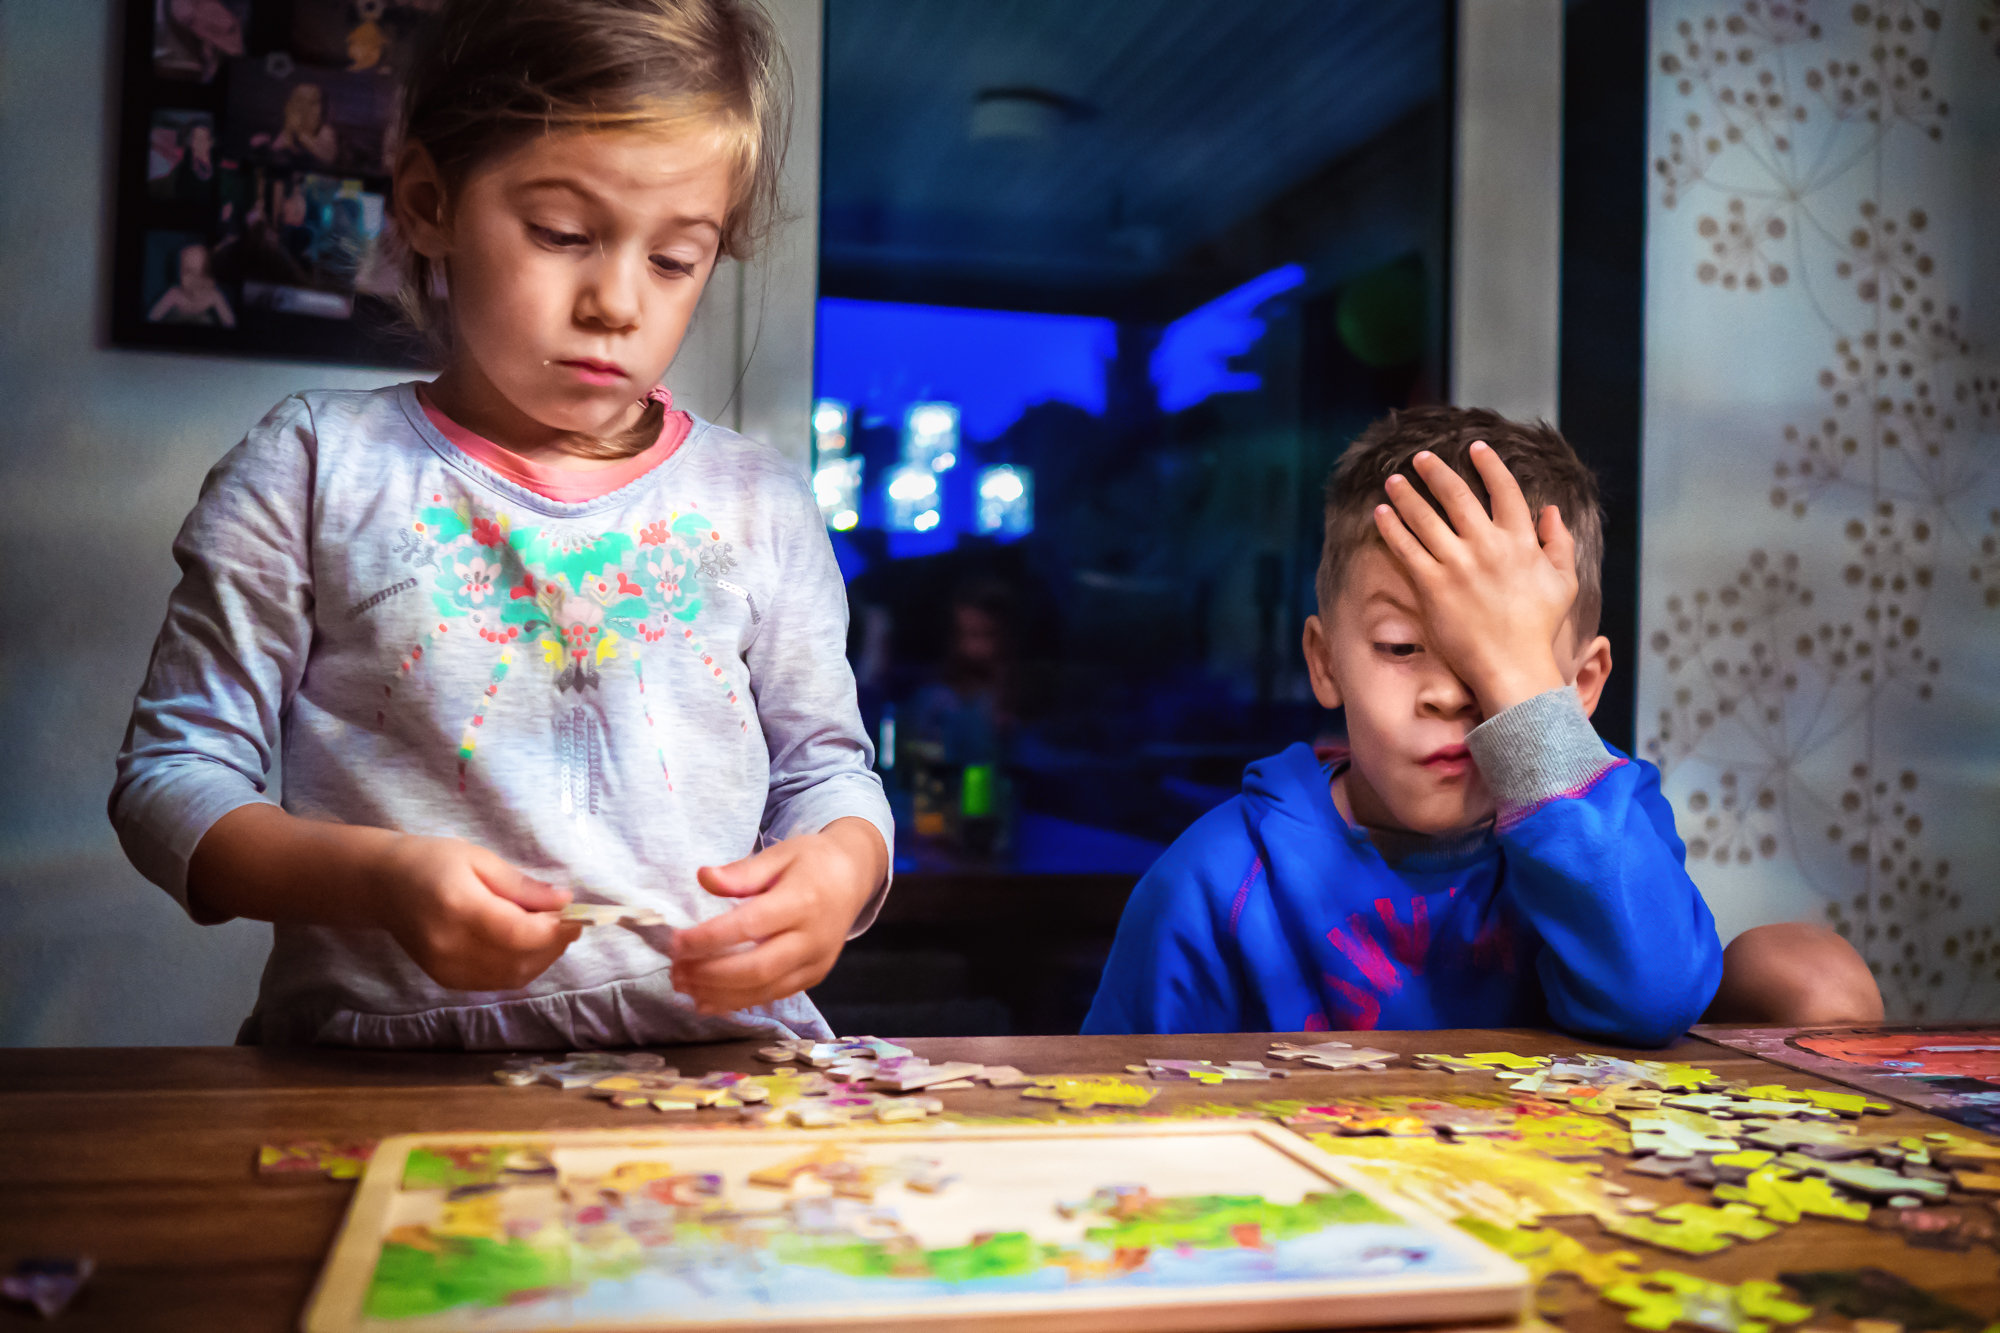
260 862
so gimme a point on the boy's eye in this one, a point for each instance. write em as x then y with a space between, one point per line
675 267
559 239
1399 649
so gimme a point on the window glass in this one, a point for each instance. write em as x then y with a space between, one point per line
1106 285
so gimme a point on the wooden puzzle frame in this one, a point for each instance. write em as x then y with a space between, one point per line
1487 1285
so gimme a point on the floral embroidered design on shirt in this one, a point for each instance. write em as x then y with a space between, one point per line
576 594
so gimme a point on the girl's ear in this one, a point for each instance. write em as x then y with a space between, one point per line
1318 646
420 202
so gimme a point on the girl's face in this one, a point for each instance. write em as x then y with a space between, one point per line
575 263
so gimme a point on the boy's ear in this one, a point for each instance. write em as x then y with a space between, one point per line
1592 669
420 202
1318 646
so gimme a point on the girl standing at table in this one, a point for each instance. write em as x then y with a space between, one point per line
528 622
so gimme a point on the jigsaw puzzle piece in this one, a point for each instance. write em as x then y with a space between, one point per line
1676 1077
1849 1104
1830 1141
1660 1300
1693 1228
1547 1254
1784 1199
1081 1092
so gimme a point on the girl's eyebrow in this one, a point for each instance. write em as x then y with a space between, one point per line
591 196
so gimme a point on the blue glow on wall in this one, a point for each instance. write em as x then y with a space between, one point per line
1192 359
994 364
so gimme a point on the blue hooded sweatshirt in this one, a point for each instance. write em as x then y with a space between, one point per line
1273 914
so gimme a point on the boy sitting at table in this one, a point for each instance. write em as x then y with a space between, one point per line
1476 857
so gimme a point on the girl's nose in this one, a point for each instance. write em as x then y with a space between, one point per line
610 299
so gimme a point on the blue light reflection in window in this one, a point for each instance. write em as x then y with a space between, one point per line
994 364
1192 359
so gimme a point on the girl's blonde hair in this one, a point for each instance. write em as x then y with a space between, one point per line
491 73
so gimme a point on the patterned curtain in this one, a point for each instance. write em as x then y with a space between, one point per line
1820 624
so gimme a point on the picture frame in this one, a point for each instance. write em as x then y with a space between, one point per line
1213 1225
255 147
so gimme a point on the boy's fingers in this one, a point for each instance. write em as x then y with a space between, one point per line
1510 507
1402 545
751 875
1467 515
1424 522
1556 541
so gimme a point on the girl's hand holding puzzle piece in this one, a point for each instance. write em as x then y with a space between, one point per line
801 898
473 922
466 917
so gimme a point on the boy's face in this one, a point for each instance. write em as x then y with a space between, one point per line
1407 713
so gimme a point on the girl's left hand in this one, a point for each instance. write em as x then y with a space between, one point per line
801 898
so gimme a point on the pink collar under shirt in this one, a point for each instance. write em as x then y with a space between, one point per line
569 485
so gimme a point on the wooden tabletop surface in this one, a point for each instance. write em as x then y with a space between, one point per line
144 1158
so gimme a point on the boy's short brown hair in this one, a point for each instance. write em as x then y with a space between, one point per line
1541 460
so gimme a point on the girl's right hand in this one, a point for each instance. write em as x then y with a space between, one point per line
467 918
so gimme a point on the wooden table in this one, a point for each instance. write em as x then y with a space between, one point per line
144 1158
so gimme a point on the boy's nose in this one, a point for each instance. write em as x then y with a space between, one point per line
1444 695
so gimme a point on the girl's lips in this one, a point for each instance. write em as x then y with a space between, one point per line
596 372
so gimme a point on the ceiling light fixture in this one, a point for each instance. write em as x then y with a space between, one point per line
1023 113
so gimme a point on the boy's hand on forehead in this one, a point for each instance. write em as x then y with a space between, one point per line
801 897
1495 590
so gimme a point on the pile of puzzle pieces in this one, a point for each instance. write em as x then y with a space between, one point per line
889 1066
1770 1155
1207 1071
786 1097
857 1078
1333 1055
1874 1301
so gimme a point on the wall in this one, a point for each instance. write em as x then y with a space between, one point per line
1507 224
1820 586
101 453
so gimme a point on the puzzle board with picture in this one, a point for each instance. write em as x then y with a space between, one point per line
1947 1069
1210 1225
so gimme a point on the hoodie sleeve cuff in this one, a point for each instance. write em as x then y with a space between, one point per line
1542 749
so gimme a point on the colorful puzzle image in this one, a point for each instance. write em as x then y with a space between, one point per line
1949 1070
1242 1224
1970 1054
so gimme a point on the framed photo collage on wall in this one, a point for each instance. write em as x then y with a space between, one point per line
256 141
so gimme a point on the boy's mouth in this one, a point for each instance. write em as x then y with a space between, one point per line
1449 762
